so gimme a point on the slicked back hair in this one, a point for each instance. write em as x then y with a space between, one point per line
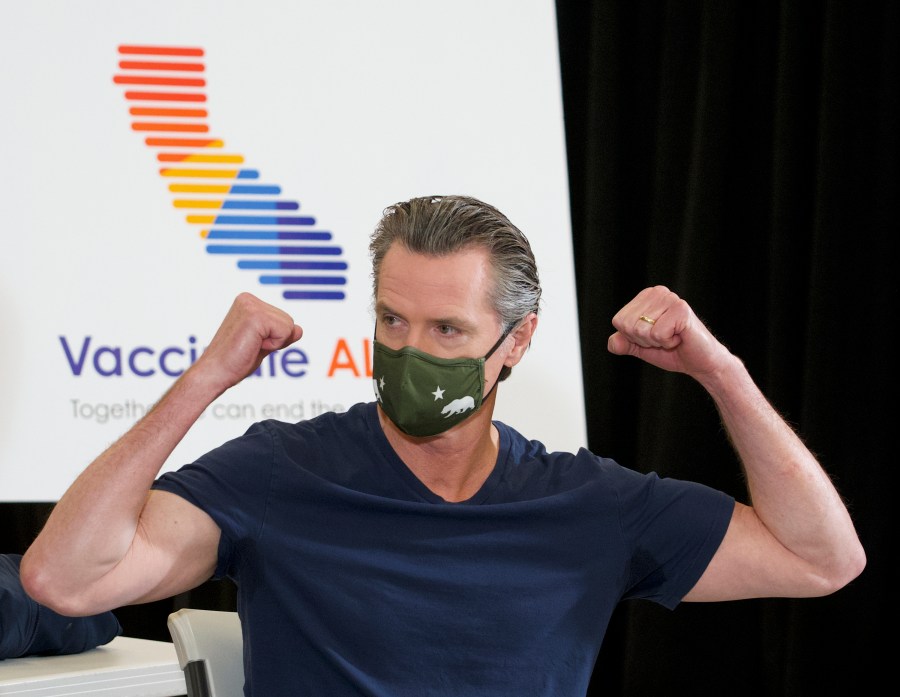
442 225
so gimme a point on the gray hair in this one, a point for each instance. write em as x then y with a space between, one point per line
441 225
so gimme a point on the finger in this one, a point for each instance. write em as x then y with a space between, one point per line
649 303
643 326
649 311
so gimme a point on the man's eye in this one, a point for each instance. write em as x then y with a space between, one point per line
446 329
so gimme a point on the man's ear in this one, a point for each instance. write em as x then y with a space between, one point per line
522 334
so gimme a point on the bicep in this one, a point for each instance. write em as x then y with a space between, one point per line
175 548
752 563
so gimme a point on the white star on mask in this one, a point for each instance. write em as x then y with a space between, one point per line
438 393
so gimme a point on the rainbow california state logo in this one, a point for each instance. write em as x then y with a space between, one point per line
235 213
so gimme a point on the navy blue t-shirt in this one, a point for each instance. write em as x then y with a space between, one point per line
355 579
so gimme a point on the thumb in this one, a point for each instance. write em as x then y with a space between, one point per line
275 340
619 345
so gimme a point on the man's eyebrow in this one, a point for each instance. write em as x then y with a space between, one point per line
454 322
383 308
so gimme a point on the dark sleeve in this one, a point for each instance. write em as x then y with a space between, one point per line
231 484
30 629
673 529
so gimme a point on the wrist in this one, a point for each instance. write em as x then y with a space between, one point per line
202 384
729 374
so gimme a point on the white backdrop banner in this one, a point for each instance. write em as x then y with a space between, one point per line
159 158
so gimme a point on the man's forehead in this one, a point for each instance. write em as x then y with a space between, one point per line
468 266
452 285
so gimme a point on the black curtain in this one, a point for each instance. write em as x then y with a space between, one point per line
745 155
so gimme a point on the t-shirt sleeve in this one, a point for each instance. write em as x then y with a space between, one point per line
230 483
673 528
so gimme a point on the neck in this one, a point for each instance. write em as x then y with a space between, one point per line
455 464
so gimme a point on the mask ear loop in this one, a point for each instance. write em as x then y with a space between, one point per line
491 353
499 341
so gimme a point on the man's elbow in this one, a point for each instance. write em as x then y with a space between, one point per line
47 587
856 563
848 568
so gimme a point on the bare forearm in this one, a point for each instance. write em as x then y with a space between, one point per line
790 493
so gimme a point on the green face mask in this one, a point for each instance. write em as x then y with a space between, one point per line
425 395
